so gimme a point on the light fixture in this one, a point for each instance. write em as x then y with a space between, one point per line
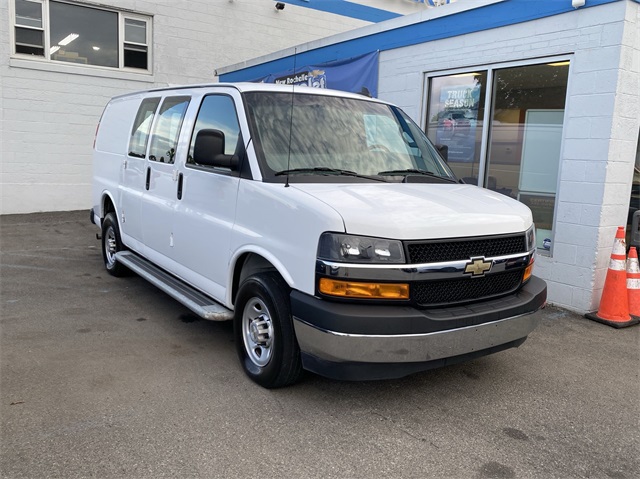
96 48
68 39
279 6
54 49
578 3
558 64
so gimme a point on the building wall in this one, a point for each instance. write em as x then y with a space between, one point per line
49 111
617 170
600 131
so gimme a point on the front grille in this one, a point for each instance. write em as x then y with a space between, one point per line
456 250
434 293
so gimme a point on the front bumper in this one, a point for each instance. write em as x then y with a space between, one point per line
355 342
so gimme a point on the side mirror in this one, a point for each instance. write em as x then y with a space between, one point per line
444 151
209 150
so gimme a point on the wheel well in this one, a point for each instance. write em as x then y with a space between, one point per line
248 264
107 206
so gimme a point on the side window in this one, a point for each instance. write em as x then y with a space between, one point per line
217 112
164 139
142 126
29 33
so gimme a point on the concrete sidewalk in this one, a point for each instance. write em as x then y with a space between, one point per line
106 377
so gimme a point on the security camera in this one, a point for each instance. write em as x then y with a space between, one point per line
279 6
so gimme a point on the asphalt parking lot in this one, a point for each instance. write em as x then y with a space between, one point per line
105 377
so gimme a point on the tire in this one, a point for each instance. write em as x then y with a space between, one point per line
263 331
111 244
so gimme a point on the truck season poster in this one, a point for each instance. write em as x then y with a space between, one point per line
457 121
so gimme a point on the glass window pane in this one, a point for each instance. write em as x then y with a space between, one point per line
167 128
634 204
142 126
217 112
454 118
135 56
29 41
330 132
526 132
83 35
135 31
28 14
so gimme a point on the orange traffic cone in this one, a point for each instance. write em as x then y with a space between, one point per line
614 304
633 283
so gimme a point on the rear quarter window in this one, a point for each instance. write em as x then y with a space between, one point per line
142 126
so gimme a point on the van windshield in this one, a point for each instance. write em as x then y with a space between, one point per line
319 136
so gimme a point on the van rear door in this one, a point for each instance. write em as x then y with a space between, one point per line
161 181
132 183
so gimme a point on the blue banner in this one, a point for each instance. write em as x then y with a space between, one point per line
355 75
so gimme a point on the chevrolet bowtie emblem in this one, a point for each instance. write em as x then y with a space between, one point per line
478 266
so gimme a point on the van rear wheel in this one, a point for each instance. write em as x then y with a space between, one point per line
264 334
111 244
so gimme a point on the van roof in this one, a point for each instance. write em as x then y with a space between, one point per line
247 87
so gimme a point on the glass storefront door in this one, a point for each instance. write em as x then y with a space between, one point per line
455 118
523 133
525 137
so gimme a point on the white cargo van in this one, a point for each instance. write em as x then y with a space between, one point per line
324 224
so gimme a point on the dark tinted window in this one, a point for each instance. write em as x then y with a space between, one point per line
167 129
29 28
135 43
142 126
83 35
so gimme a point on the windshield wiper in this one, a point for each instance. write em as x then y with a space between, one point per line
413 171
326 170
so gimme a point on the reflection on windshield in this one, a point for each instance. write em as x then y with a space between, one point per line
339 133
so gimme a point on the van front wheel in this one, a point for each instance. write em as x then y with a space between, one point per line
263 330
111 244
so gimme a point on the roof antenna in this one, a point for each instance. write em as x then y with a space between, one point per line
293 87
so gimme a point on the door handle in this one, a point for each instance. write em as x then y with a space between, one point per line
180 177
148 177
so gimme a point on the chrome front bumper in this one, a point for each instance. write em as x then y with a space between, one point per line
360 341
360 348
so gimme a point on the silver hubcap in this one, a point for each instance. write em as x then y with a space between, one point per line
110 246
257 332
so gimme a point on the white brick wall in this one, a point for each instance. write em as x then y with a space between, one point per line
49 113
601 126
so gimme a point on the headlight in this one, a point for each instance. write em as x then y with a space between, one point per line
359 249
530 237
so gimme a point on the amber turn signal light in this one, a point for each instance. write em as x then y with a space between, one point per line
352 289
527 272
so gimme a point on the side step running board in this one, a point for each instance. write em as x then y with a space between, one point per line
193 299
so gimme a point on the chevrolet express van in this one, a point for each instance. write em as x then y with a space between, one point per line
324 224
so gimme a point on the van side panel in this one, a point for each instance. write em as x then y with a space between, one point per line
115 125
110 153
